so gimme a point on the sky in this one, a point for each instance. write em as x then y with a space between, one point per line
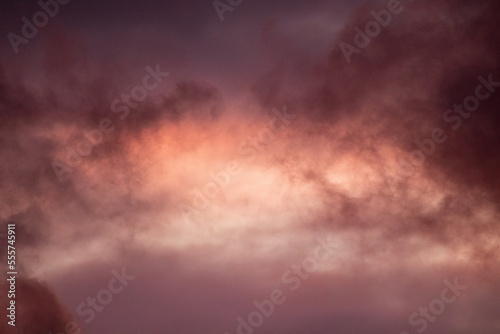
241 167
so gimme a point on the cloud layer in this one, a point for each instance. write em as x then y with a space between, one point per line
154 194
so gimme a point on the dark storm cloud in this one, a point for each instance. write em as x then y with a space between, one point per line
409 75
75 97
38 309
419 66
399 87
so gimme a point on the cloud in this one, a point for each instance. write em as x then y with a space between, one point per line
38 309
400 236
